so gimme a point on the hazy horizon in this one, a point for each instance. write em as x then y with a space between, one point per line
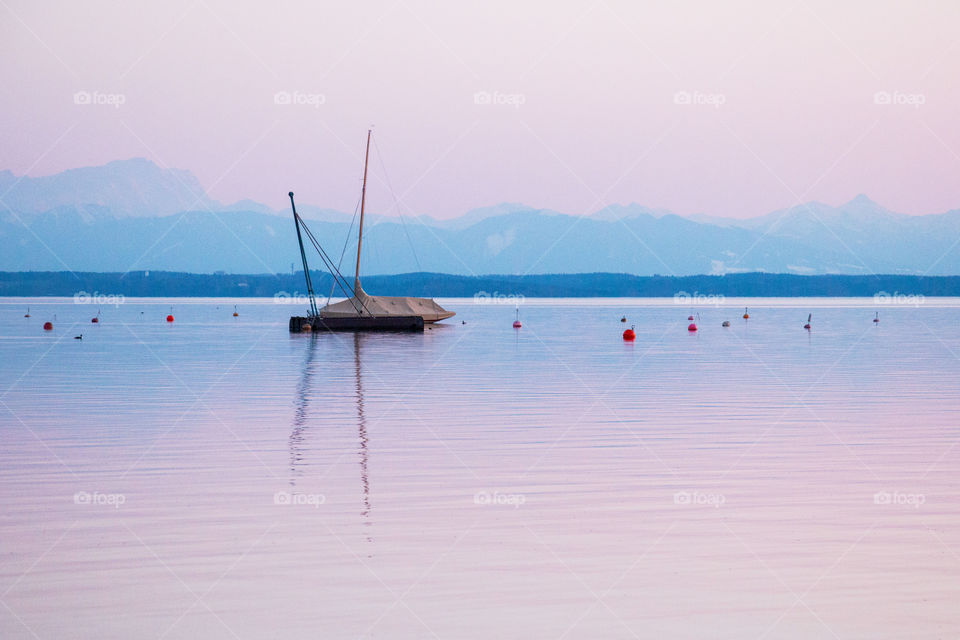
734 110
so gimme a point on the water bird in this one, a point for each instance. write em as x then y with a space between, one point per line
809 318
726 323
746 314
630 335
79 337
876 318
516 323
623 318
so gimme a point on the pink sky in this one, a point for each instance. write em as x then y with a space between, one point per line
598 124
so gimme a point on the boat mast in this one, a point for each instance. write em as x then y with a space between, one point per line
363 201
303 256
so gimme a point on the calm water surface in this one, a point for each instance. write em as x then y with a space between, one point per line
219 478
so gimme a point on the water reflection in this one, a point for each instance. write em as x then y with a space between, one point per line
301 416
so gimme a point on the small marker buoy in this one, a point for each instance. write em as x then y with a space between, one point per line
27 314
746 315
623 318
95 320
876 318
235 314
726 323
692 327
690 318
170 318
516 323
630 335
48 326
809 318
463 322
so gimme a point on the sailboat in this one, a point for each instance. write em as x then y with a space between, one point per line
360 311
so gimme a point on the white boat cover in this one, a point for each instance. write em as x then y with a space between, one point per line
363 304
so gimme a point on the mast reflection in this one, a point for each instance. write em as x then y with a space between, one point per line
301 415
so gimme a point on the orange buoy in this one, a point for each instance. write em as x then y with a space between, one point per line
48 326
235 314
629 335
746 315
170 318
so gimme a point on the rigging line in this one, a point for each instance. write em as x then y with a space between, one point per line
335 273
396 203
346 241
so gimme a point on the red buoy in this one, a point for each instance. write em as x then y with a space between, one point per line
94 320
692 327
169 318
516 324
48 326
629 335
690 318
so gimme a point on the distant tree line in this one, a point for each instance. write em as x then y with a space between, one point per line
572 285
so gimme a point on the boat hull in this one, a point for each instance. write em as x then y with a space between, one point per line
299 324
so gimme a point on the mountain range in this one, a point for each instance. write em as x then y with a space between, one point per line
133 215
